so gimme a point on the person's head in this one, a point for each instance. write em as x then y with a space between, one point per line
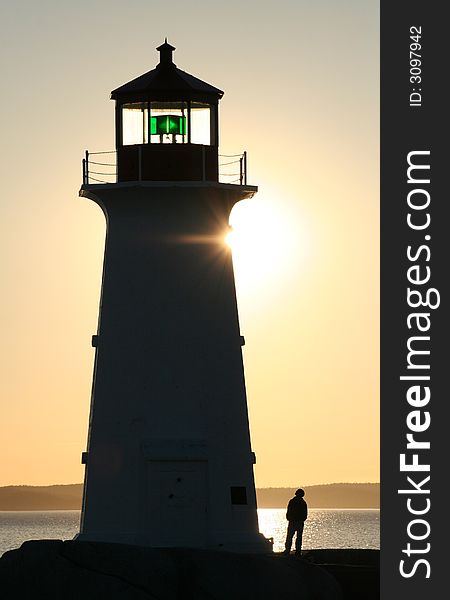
300 493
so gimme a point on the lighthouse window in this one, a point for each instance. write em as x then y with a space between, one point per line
168 122
135 123
200 123
174 122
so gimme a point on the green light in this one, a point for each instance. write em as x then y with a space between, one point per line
168 124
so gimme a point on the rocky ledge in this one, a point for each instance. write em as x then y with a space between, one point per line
57 570
357 571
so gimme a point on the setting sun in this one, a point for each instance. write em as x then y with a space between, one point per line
265 244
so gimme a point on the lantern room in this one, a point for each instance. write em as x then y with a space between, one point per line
167 125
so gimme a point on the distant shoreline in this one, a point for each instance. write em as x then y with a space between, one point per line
68 497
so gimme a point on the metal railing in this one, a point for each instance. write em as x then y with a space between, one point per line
231 161
100 169
103 168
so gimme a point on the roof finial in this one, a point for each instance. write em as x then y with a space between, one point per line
165 53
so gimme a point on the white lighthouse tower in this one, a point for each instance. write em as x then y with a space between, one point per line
169 460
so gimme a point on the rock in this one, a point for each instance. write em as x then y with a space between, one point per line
344 556
72 570
357 571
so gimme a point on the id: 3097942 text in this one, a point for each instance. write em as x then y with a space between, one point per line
415 66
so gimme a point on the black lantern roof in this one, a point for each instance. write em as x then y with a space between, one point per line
167 82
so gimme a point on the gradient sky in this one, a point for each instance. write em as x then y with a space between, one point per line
301 96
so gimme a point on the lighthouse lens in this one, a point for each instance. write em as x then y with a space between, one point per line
168 124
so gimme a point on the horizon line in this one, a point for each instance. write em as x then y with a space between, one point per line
285 486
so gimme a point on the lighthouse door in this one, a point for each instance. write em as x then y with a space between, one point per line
177 503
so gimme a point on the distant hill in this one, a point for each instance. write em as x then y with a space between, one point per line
48 497
68 497
333 495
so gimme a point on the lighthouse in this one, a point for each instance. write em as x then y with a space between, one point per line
169 461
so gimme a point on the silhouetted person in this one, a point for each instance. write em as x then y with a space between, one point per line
297 513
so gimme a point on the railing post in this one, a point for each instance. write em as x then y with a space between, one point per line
140 163
203 164
87 167
241 174
245 167
84 171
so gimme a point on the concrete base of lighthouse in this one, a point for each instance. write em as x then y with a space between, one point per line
169 460
254 545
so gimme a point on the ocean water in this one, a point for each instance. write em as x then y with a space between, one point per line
325 528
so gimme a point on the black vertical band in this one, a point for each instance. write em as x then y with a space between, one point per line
415 255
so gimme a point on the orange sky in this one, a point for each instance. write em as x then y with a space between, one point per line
301 96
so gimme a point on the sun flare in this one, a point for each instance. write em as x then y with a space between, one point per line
230 238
